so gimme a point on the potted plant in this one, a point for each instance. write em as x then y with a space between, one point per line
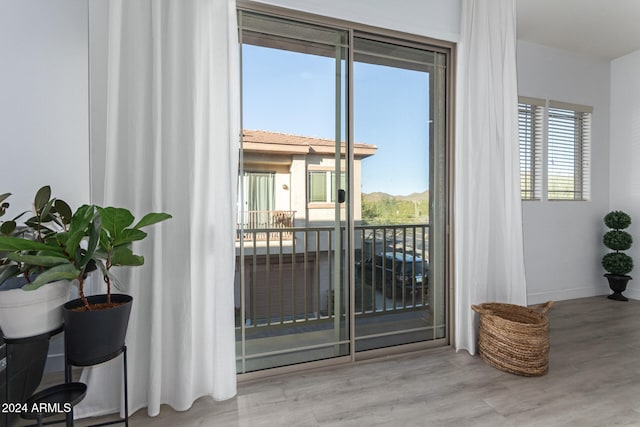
96 326
27 311
99 239
617 264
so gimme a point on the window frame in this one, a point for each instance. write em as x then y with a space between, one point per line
570 146
442 206
329 187
531 113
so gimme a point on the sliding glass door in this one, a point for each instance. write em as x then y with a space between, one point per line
399 106
292 287
342 208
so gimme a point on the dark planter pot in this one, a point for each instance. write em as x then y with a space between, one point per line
26 359
93 337
618 284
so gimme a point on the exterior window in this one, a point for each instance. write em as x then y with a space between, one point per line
259 191
568 140
259 199
530 117
322 186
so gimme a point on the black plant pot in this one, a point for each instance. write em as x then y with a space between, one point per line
618 284
95 336
25 358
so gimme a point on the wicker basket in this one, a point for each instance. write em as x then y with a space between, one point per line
513 338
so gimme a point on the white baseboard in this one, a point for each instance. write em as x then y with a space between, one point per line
565 294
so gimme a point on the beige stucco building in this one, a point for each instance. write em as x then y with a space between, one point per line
292 166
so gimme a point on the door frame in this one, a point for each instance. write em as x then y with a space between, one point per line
449 48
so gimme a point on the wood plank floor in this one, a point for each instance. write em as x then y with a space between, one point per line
594 380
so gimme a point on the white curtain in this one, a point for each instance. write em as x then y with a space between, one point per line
172 138
489 261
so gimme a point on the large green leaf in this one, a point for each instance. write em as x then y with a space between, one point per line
115 220
39 260
42 198
7 271
129 235
78 228
94 238
45 213
124 256
12 244
8 227
152 218
60 272
64 211
4 196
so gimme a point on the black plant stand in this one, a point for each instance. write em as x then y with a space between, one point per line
61 394
69 379
51 401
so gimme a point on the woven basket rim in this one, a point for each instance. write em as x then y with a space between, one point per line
508 312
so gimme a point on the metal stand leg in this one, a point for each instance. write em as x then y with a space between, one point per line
126 387
7 376
68 377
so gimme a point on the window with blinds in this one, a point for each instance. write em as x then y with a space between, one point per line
568 151
530 118
322 186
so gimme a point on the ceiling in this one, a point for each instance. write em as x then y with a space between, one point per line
605 28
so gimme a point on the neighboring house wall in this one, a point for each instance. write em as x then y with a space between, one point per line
624 186
563 240
291 158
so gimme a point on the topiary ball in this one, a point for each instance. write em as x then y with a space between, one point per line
617 263
617 220
617 240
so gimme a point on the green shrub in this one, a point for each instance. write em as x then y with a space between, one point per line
617 262
617 220
617 240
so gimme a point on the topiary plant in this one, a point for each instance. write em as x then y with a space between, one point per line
617 263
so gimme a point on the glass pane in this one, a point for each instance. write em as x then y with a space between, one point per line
318 187
291 297
396 100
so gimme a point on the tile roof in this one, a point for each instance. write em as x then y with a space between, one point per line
265 141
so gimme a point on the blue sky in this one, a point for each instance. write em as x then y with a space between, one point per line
294 93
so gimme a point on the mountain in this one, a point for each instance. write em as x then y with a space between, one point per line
413 197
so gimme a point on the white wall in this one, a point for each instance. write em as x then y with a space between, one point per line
44 117
439 19
563 240
44 86
624 189
43 106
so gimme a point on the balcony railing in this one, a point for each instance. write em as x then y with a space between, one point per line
288 284
257 225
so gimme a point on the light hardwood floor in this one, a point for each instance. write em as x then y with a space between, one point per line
594 380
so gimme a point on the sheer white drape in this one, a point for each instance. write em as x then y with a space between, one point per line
489 260
172 146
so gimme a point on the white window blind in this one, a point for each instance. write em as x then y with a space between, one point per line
568 160
530 119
